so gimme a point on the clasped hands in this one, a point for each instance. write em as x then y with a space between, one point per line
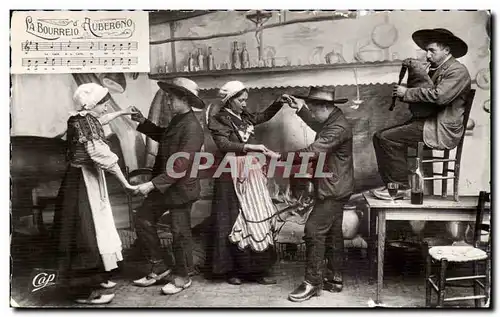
142 189
293 102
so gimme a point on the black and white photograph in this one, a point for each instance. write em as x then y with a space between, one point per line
250 158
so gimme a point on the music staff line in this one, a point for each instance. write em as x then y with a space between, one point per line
79 61
78 46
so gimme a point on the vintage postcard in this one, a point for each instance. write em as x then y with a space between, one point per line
261 158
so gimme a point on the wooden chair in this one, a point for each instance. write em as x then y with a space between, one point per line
443 255
445 159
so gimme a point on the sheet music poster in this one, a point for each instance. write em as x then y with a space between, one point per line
79 42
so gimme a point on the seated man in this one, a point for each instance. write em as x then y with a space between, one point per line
437 111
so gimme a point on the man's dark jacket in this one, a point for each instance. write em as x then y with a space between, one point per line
334 138
183 134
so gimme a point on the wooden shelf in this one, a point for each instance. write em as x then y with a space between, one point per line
267 70
286 76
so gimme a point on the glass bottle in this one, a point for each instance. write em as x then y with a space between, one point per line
201 60
245 58
190 62
417 184
235 60
210 59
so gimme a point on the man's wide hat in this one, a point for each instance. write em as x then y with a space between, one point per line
426 36
325 94
186 87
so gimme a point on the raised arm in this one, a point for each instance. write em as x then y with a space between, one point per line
268 113
147 127
105 119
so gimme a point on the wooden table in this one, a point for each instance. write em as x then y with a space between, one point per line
434 208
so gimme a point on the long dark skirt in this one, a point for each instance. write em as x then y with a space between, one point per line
74 251
225 258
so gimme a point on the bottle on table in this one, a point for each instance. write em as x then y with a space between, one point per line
417 184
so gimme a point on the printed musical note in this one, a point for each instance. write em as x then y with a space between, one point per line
78 61
77 46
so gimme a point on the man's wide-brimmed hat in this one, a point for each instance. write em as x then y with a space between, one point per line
185 86
426 36
325 94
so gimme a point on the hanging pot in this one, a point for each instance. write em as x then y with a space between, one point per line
350 222
483 78
384 35
486 106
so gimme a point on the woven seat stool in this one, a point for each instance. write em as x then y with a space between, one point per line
443 255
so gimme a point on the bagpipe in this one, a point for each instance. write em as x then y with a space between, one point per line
417 76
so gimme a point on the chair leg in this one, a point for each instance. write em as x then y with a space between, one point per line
442 282
456 179
477 288
428 289
487 282
444 173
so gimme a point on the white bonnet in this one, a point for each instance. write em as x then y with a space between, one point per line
88 95
230 89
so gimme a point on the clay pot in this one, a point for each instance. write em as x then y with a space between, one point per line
417 226
350 223
456 229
